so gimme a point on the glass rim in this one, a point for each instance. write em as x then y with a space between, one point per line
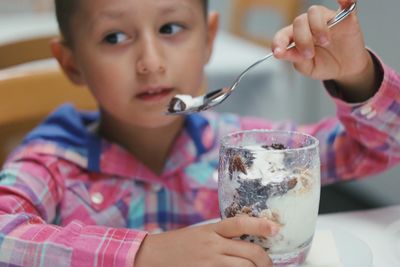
314 143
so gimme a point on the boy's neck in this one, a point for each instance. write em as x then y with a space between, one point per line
150 146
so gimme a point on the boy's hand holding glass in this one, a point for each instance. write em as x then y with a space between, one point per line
211 245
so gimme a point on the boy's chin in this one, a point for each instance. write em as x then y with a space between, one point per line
161 121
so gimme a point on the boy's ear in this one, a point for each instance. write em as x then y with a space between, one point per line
213 25
65 59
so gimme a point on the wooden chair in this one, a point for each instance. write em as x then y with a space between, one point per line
27 95
25 50
241 10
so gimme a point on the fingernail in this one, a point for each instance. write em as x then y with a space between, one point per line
308 54
274 229
323 41
277 50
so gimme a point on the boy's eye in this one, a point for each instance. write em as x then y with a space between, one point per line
115 38
170 28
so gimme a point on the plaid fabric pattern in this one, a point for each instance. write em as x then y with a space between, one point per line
91 203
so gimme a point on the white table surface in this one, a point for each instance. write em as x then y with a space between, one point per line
378 228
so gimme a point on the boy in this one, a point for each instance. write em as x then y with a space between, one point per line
95 189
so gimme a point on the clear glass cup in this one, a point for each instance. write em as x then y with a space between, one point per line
273 174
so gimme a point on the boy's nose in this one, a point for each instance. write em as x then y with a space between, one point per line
150 59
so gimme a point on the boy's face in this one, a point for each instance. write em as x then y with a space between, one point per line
135 55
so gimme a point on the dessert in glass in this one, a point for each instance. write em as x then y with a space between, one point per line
272 174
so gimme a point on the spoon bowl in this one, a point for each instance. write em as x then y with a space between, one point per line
186 104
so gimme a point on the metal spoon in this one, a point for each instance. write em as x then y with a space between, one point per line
185 104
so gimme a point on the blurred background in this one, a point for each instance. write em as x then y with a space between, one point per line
273 90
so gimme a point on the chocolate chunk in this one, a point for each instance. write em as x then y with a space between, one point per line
246 155
176 104
278 146
246 158
292 183
236 164
232 210
275 146
243 237
247 210
279 189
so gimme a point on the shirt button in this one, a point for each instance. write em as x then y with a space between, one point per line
97 198
366 110
156 187
371 114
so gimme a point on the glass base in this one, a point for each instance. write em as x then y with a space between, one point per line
293 258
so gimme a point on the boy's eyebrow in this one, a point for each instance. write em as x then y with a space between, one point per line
173 9
113 14
105 14
110 14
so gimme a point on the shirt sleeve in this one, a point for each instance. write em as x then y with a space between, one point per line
366 139
362 140
30 193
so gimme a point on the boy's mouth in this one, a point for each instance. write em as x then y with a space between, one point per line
154 94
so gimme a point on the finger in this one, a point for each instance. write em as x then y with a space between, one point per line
280 43
230 261
304 67
246 250
281 40
243 225
303 37
317 19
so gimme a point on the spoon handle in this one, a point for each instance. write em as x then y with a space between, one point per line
341 15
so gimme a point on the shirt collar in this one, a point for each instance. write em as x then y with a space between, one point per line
188 147
66 134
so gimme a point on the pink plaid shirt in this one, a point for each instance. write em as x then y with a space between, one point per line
70 198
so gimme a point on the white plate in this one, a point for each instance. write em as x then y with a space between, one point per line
352 251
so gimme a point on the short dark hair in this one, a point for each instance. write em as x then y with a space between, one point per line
205 5
65 9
